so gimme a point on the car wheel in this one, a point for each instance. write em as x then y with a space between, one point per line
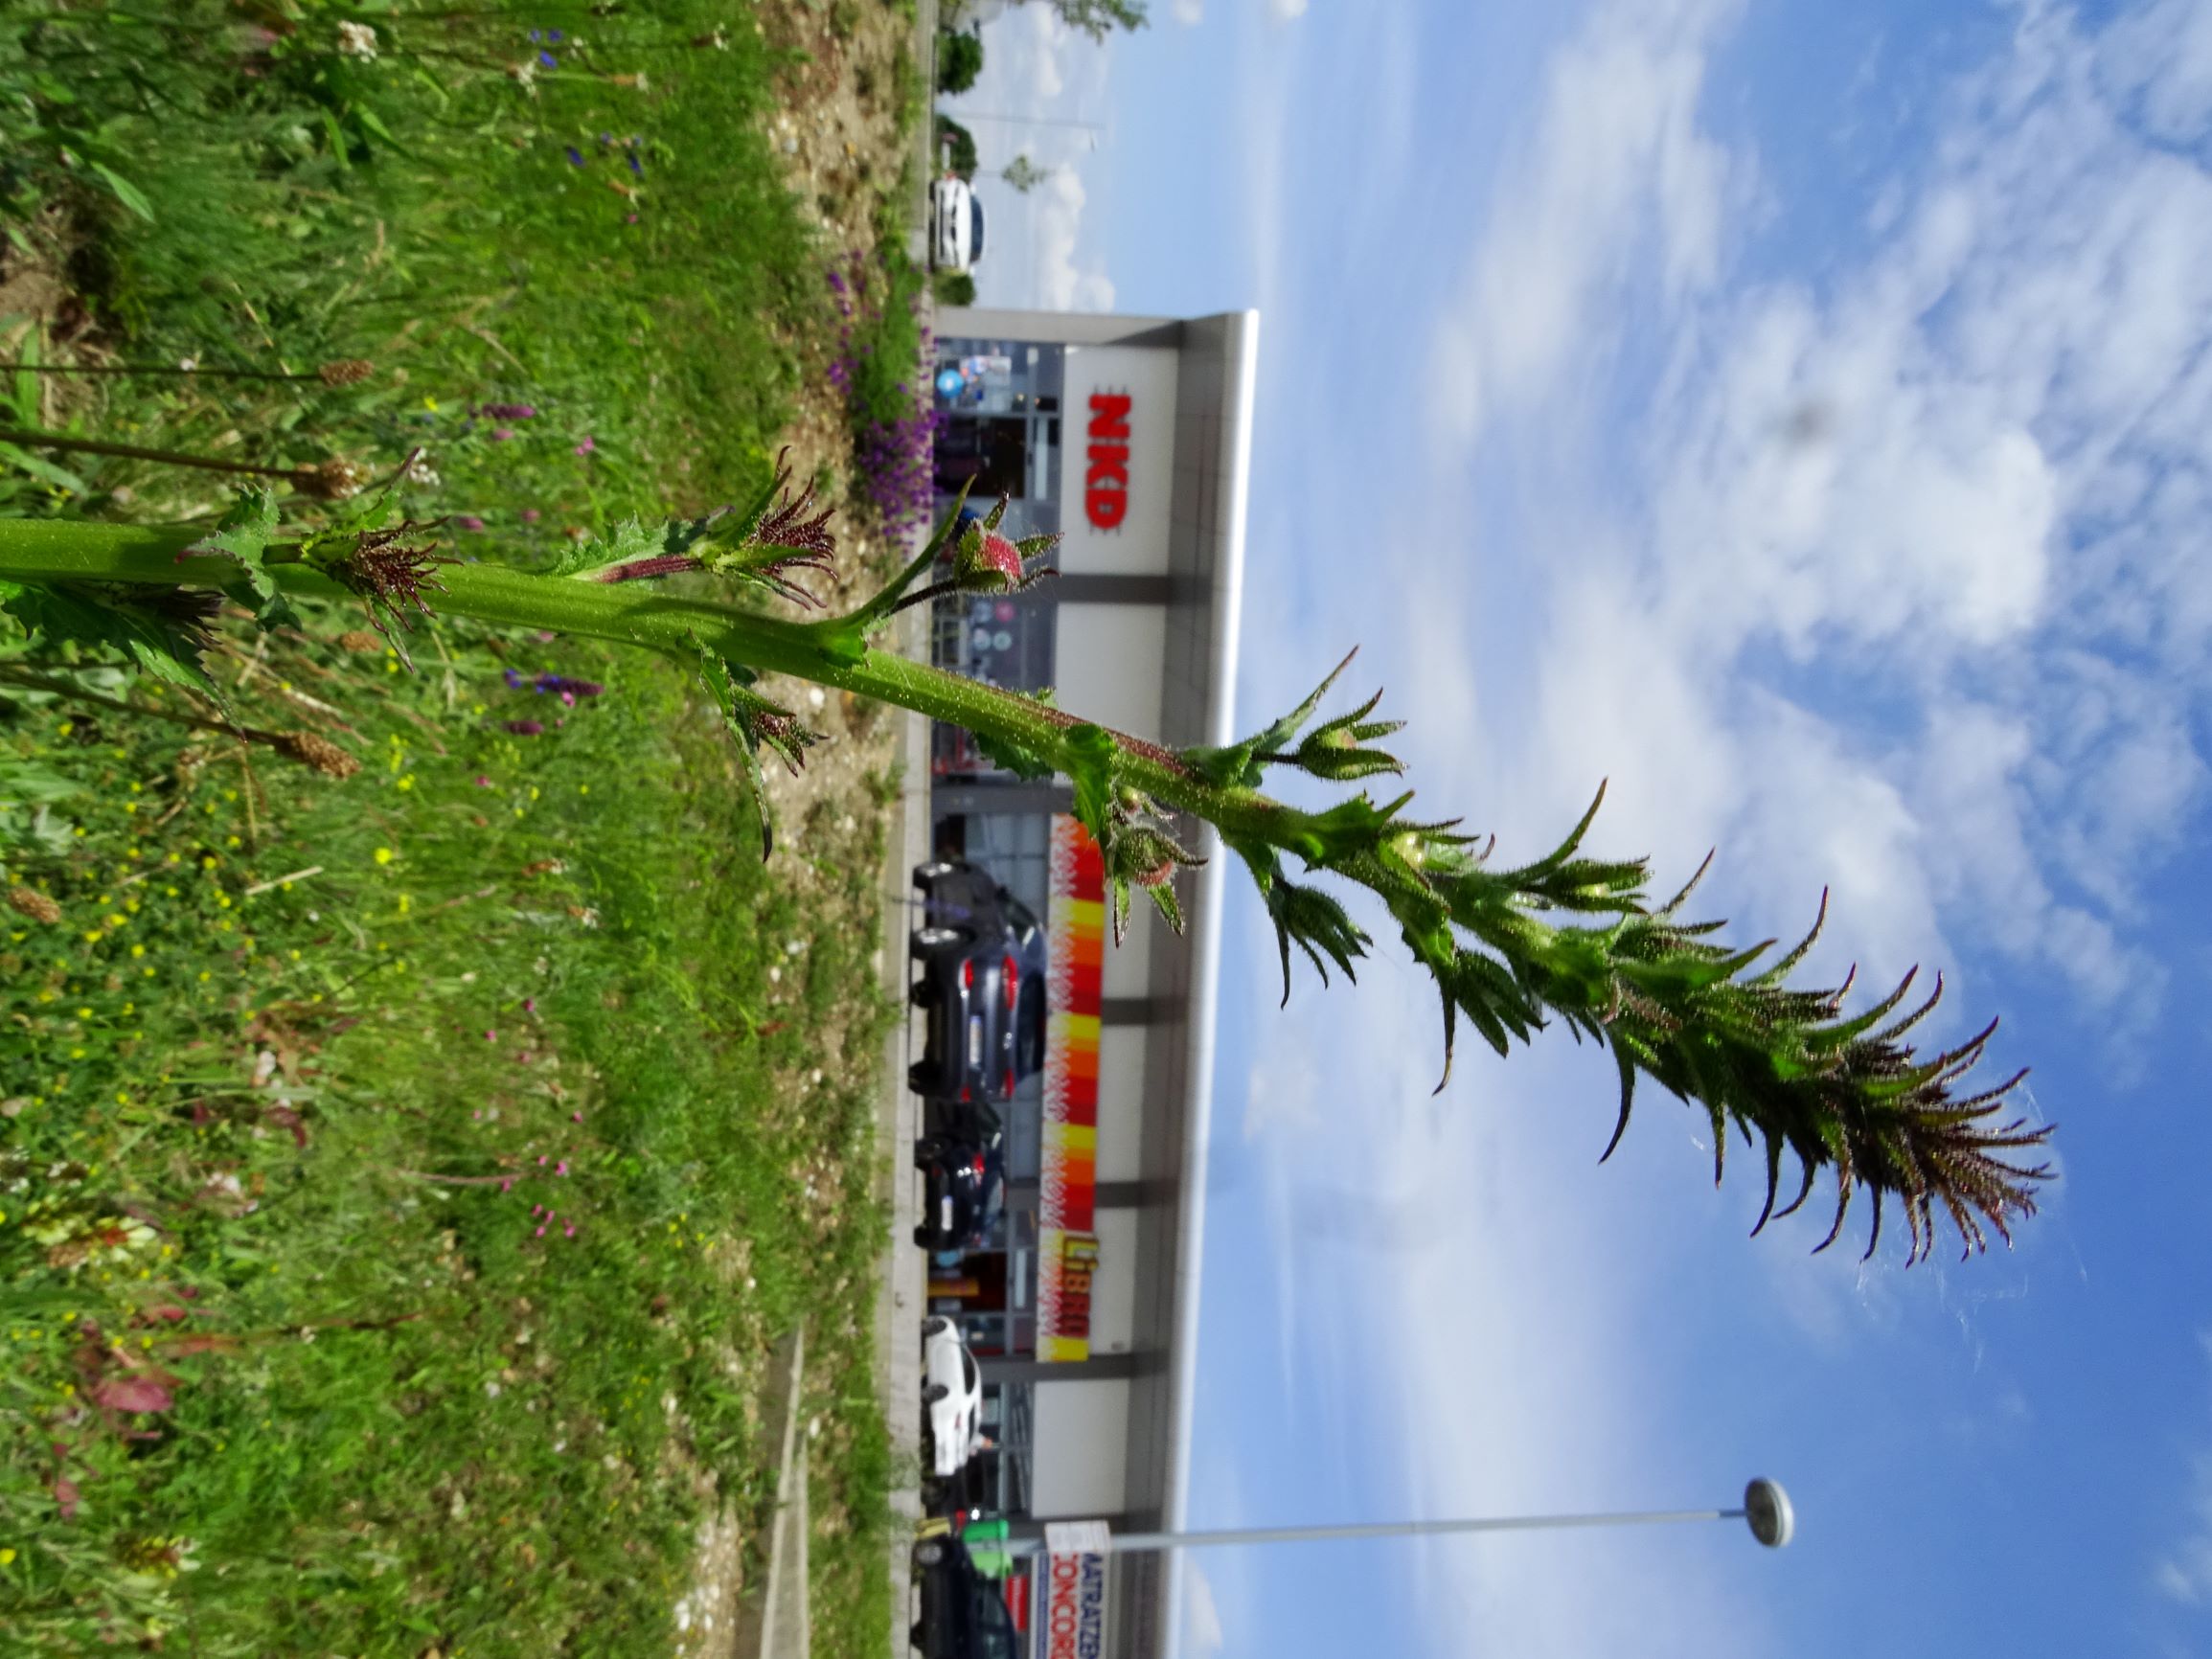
921 1237
922 993
935 941
937 1325
927 1553
934 1392
920 1075
914 1635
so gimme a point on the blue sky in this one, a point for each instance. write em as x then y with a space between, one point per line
1800 415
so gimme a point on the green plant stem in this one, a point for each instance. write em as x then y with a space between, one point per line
639 614
132 452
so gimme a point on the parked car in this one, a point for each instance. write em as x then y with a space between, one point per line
963 1613
982 957
955 224
951 1398
962 1179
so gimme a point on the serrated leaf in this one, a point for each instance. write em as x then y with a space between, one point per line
1011 756
1090 768
166 643
243 535
1239 764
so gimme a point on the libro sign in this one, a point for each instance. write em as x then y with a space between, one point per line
1067 1186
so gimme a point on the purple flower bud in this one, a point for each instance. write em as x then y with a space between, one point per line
575 156
550 62
524 728
511 411
587 446
469 521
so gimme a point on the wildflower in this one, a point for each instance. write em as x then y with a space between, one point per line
357 40
522 74
524 729
469 521
561 1167
636 165
511 412
530 516
382 855
575 156
587 446
550 61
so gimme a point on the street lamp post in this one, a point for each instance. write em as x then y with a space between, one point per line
1765 1509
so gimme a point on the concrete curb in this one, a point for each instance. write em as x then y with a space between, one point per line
777 1624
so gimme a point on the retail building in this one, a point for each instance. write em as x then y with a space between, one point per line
1130 438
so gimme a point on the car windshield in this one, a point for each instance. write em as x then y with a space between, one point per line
1028 1028
993 1625
968 1369
974 229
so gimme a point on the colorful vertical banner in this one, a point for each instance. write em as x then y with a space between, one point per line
1067 1250
1072 1620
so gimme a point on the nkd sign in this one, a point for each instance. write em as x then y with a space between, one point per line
1073 1621
1106 477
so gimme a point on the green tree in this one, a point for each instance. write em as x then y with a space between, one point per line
1023 174
1565 936
1095 17
954 288
963 142
959 61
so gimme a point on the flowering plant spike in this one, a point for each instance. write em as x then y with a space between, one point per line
1567 938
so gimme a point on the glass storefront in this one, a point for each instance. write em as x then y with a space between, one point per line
999 435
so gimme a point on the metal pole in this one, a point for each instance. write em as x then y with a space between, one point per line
1132 1543
1765 1509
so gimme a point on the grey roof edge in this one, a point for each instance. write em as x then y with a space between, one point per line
1243 354
1055 328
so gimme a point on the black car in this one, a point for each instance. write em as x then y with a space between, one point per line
963 1178
982 956
963 1614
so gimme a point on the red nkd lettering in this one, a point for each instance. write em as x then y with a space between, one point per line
1105 498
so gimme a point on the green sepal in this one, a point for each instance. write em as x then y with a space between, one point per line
1239 765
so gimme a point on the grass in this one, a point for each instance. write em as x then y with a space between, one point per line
290 1365
279 1151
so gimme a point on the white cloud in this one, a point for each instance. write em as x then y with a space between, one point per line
1037 75
1900 586
1188 11
1286 9
1067 281
1615 173
2183 1571
1202 1635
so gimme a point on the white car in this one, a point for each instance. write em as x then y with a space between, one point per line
955 224
951 1397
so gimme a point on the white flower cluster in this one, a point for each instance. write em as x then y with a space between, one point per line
357 40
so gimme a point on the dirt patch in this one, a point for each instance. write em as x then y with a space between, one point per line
839 135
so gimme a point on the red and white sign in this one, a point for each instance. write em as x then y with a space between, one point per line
1071 1620
1118 460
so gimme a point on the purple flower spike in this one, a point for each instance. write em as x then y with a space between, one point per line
549 60
575 156
513 681
524 728
511 411
555 36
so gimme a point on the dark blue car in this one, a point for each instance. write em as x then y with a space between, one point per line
982 960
